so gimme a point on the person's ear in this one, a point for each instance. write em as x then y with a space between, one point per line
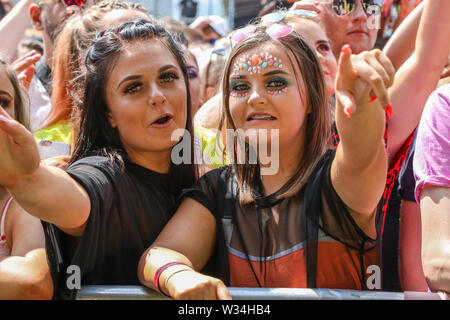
111 120
35 15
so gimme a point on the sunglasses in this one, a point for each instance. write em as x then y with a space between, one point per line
275 31
77 3
281 15
344 7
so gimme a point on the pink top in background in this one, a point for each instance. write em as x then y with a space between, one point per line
432 154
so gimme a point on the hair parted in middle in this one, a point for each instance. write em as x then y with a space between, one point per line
96 134
318 123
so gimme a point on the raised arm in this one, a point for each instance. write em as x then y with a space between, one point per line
188 238
358 172
47 193
419 76
401 45
12 28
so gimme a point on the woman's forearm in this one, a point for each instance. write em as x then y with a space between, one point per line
401 45
411 273
420 74
12 28
155 258
435 208
358 172
433 38
361 135
50 194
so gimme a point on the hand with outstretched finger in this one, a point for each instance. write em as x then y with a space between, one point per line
363 79
19 155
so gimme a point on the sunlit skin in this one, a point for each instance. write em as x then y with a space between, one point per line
316 37
7 95
146 96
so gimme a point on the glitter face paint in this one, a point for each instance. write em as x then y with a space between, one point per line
254 63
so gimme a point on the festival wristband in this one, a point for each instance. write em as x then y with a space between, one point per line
173 273
160 271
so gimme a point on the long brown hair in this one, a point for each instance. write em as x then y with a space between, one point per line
318 126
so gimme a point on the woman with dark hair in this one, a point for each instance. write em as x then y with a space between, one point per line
311 223
78 32
24 272
121 186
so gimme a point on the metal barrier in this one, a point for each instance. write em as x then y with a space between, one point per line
143 293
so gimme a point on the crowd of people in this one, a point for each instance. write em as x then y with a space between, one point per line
298 151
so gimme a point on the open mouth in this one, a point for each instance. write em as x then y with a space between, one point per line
162 121
254 117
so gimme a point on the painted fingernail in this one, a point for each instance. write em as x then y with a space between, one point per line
389 110
347 113
346 49
4 119
372 99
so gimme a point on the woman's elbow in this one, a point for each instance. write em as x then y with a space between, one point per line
436 268
36 287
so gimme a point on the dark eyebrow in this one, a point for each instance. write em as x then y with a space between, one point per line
132 77
137 76
238 76
6 93
164 68
270 73
323 41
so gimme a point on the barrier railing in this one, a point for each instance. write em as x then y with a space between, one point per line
143 293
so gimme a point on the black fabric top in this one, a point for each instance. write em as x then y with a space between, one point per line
319 222
129 208
407 183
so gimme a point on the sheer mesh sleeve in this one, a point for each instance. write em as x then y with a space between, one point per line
205 190
99 178
335 217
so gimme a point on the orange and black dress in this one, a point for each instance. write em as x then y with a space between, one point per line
307 241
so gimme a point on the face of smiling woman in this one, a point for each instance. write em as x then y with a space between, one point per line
146 97
269 98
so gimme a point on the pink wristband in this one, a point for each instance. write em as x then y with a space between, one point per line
161 269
